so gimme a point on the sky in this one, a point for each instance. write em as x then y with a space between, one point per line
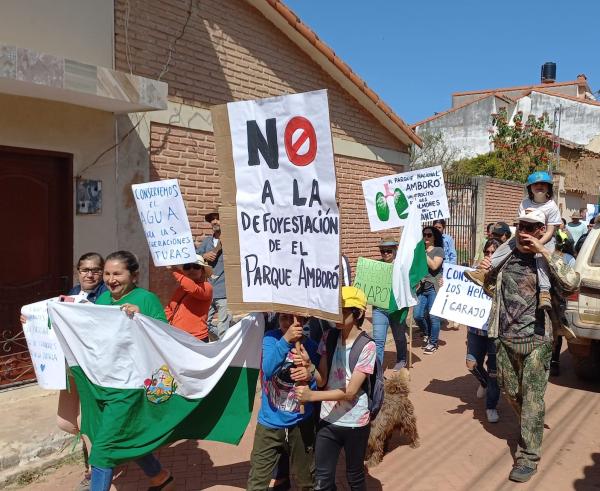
415 54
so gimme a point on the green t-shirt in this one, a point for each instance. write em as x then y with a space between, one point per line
148 302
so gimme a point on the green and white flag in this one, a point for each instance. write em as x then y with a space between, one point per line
143 383
410 266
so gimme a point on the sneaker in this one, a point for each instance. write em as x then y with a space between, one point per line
545 302
399 366
492 415
430 349
521 473
425 342
481 391
477 276
554 368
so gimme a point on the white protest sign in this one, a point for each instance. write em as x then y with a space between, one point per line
287 216
461 300
388 198
46 354
165 222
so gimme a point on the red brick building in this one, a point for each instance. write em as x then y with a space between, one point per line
247 49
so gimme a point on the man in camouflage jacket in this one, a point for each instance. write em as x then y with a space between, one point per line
524 338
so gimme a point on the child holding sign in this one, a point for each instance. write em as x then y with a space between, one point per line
282 426
345 414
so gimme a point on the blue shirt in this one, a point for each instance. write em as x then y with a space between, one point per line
449 249
93 295
279 408
218 277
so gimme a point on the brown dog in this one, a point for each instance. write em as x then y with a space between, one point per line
397 412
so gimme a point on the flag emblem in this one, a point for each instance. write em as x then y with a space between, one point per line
161 386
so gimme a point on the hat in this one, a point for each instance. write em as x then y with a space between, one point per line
533 216
207 216
576 214
501 228
388 242
353 297
202 262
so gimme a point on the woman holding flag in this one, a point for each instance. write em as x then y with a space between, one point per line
121 271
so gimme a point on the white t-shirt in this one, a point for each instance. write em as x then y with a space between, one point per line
347 413
549 209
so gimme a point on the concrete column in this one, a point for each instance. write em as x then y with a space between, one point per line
481 182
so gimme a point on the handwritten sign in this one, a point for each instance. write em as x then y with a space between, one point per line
388 198
165 222
46 354
287 218
375 279
461 300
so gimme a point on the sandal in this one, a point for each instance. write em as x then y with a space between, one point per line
162 486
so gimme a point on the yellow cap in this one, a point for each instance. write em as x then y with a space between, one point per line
353 297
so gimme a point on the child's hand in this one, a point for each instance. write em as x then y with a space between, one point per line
23 319
294 333
303 393
300 374
302 358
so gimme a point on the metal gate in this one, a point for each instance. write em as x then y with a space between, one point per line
462 224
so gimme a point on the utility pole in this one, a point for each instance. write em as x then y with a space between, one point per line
556 139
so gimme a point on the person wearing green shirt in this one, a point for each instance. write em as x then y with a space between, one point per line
121 270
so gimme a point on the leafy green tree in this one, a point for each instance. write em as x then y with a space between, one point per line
519 149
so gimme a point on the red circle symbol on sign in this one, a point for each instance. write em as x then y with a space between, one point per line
307 132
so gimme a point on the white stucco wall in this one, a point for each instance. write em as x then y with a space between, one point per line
82 30
580 122
84 133
466 128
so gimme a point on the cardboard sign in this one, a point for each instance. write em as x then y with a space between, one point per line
280 223
375 279
165 222
461 300
388 198
46 353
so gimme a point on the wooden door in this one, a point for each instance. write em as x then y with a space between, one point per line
36 249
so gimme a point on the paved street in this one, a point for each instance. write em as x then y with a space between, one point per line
459 449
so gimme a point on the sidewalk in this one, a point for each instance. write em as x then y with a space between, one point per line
29 436
459 449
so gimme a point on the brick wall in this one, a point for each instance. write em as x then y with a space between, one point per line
230 51
502 200
189 155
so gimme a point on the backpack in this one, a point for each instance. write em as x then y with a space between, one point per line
373 385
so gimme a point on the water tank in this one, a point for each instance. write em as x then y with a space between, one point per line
548 72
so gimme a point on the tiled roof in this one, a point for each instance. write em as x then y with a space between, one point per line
580 81
309 35
563 96
443 113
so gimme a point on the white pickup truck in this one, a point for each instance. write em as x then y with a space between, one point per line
583 309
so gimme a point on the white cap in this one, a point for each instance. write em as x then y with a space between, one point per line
533 216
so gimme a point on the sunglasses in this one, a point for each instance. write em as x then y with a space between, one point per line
95 271
188 266
386 251
528 227
427 234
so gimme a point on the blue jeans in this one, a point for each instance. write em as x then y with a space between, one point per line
381 321
102 476
429 324
477 348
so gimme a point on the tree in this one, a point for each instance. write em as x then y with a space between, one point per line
435 151
519 149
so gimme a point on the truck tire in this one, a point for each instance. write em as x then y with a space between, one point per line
588 367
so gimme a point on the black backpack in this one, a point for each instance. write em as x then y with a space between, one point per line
373 385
